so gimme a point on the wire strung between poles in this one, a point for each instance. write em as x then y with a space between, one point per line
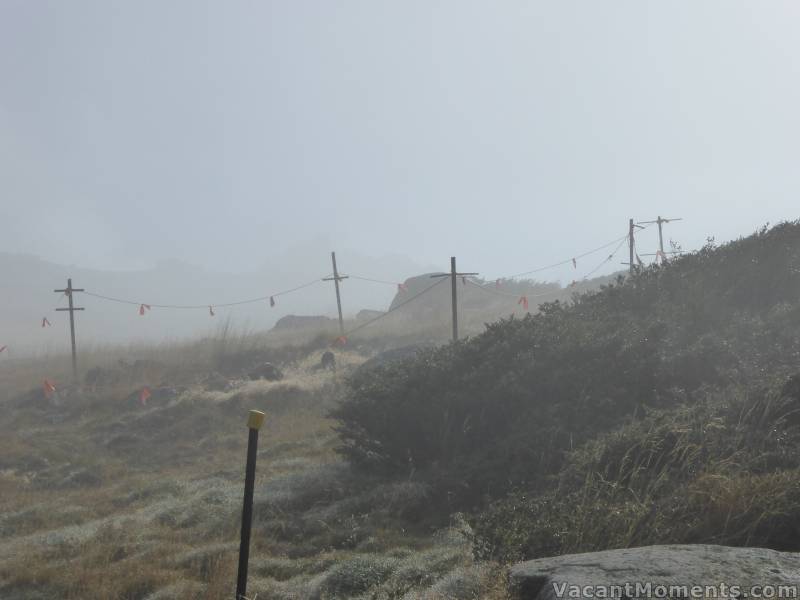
610 256
567 261
391 310
490 290
204 306
375 280
576 257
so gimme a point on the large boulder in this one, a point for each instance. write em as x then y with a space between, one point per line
300 322
367 314
617 573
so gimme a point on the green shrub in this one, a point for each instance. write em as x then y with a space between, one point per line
502 410
721 469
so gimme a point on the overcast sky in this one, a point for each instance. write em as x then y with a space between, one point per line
511 134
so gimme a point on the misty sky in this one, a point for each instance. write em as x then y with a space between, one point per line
512 134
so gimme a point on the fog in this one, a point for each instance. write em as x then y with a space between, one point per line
228 147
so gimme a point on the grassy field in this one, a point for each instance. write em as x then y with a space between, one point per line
661 409
104 498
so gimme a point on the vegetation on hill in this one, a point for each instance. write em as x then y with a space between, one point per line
106 497
658 409
662 408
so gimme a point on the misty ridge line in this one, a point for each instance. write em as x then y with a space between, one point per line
399 285
402 296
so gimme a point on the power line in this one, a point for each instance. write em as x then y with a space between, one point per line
610 256
391 310
204 306
375 280
497 292
335 275
509 294
567 261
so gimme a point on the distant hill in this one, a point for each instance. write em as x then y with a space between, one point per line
27 284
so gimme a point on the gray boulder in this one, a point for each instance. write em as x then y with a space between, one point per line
266 371
366 314
300 322
659 567
328 361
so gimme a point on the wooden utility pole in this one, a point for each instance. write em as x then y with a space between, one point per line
336 279
660 222
630 245
453 274
72 308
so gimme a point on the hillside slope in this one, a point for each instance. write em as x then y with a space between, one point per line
648 408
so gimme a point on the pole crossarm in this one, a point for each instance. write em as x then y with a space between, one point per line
69 293
659 220
453 275
336 279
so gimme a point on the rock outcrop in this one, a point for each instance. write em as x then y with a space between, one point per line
730 573
300 322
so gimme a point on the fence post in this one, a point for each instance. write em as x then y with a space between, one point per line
254 422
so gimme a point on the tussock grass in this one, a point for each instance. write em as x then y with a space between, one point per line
103 498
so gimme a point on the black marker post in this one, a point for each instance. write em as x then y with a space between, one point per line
254 422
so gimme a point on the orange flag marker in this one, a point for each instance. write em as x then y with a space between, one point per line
49 388
144 396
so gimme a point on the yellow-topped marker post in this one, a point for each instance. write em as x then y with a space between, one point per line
254 422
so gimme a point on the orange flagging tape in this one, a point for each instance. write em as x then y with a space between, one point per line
49 388
144 396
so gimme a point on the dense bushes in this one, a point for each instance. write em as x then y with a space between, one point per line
492 409
505 409
719 471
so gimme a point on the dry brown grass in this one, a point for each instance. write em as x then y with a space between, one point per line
85 518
